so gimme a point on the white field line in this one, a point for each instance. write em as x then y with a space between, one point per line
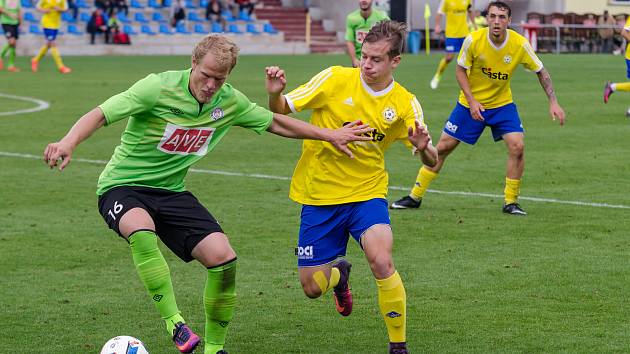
283 178
41 105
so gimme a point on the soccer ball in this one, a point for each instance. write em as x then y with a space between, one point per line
124 345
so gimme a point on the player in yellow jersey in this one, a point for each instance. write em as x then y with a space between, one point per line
485 65
609 88
51 21
343 196
457 14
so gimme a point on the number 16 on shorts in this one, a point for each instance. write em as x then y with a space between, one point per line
115 210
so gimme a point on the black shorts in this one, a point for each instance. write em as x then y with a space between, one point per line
180 220
11 31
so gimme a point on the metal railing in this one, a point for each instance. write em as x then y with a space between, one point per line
531 30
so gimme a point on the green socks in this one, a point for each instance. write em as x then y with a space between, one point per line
154 273
219 299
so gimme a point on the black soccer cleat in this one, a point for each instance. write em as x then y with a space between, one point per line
398 348
406 202
222 352
514 209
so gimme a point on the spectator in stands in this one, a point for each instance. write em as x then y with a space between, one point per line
178 12
105 5
214 9
246 5
72 5
121 6
606 34
97 24
113 27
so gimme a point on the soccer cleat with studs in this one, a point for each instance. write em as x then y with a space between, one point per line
34 65
607 91
342 293
435 82
65 70
406 202
184 338
514 209
398 348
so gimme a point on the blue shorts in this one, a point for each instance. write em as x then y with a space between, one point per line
325 230
628 68
453 45
50 34
502 120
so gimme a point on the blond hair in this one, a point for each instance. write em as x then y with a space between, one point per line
225 52
392 31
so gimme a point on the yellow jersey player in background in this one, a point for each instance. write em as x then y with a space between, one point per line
610 87
457 14
344 196
485 66
51 20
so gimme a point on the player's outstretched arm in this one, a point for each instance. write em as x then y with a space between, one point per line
294 128
353 56
80 131
419 137
275 83
554 107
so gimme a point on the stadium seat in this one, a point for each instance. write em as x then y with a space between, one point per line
181 28
123 18
243 16
82 4
233 28
268 28
27 4
29 17
67 17
154 4
157 17
199 28
34 29
251 28
193 16
129 30
227 15
203 4
216 28
190 5
164 29
139 17
135 4
146 29
84 17
73 30
166 3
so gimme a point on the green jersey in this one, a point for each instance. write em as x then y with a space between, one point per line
358 27
10 7
168 130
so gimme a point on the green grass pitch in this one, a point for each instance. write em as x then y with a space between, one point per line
477 281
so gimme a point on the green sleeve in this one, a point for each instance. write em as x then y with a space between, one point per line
251 115
350 35
140 97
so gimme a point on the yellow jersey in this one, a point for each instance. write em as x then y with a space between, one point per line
52 19
627 28
456 13
337 96
490 67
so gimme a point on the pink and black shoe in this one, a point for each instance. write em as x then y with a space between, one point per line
184 338
343 295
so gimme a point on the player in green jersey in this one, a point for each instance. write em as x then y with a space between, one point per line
10 18
358 24
175 118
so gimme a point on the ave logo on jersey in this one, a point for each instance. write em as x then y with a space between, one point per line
389 114
185 141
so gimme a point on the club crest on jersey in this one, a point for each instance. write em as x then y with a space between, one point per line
507 59
179 140
389 114
217 114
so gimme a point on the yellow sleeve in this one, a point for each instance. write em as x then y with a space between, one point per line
64 5
465 54
530 59
312 94
627 25
414 114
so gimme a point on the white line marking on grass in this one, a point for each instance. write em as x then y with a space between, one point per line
282 178
41 105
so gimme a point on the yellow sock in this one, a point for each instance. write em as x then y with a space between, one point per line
441 67
424 179
41 53
512 190
392 300
327 284
56 57
623 86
